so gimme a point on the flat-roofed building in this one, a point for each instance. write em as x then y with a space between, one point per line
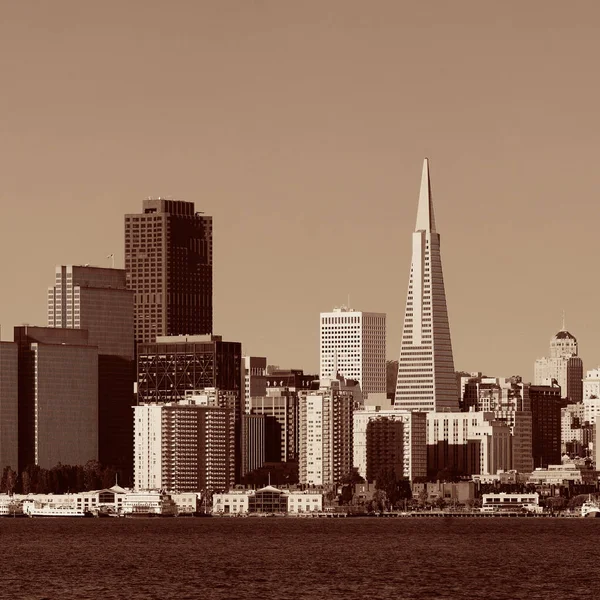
9 405
414 440
58 397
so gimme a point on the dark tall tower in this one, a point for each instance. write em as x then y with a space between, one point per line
168 259
546 403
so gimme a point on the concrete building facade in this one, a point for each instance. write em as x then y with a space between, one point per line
352 344
563 365
426 377
97 300
183 447
326 433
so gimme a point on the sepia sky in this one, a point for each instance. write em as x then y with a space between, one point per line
301 127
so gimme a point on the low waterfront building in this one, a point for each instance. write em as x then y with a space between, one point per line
267 500
529 501
568 473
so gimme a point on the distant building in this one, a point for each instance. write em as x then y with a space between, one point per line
169 263
255 378
426 378
183 447
267 500
560 474
326 432
253 442
292 379
503 502
98 300
414 433
175 365
281 411
563 365
508 400
573 427
9 405
546 405
591 396
467 443
385 447
58 397
352 344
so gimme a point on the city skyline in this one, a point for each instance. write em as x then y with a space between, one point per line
511 150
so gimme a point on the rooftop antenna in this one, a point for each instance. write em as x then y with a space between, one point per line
112 260
563 321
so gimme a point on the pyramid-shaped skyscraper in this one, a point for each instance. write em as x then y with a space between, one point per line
426 379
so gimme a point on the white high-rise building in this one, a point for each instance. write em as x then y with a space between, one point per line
183 446
326 433
353 344
591 396
563 365
426 378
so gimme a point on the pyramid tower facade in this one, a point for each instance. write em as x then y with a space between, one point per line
426 379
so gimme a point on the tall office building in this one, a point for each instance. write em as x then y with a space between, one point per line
326 433
426 378
253 442
470 443
172 366
168 259
58 397
9 405
352 344
97 300
563 364
546 405
255 378
183 447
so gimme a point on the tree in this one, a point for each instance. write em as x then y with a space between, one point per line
395 488
439 503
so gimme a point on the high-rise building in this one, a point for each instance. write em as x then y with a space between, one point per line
563 365
97 300
172 366
183 447
58 397
9 405
414 435
255 378
546 405
253 442
469 443
352 344
385 447
280 408
426 378
168 259
326 433
508 400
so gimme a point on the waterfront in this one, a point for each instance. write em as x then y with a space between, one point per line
215 559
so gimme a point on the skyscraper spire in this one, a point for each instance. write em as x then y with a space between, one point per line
426 379
425 216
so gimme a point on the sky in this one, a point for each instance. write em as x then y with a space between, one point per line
302 127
